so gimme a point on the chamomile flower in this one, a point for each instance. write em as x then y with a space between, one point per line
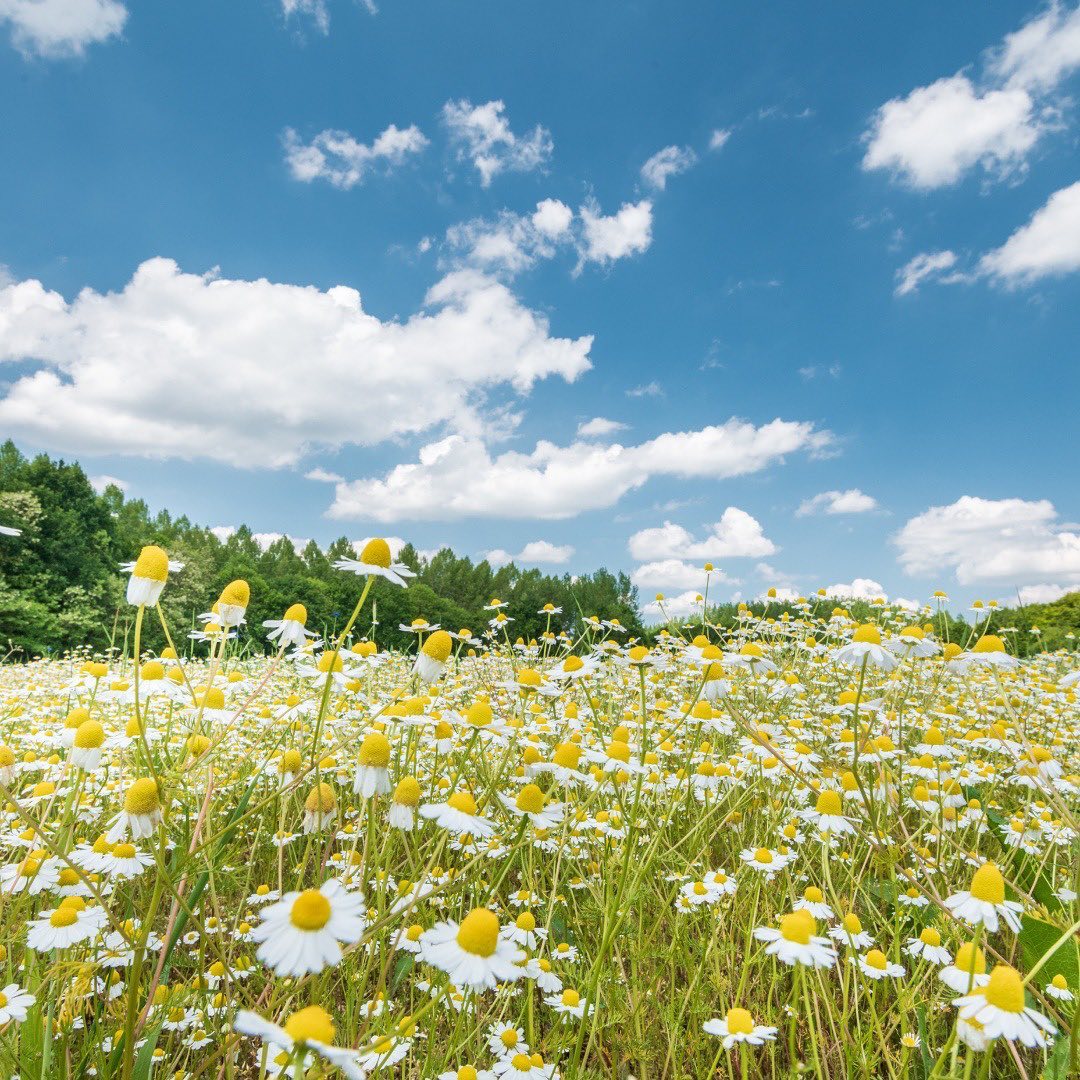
14 1003
142 813
402 812
865 648
149 573
570 1005
531 803
876 965
69 924
524 1067
303 932
737 1026
796 941
1000 1010
375 560
984 903
307 1032
372 769
459 814
928 946
290 629
433 656
473 952
967 971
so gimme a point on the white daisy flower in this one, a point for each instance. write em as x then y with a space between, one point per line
473 953
737 1026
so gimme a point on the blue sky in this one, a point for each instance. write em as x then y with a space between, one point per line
816 269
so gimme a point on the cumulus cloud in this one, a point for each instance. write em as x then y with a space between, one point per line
458 477
513 242
599 427
852 501
1048 245
676 574
343 161
482 134
315 10
673 607
1044 593
256 373
666 163
991 540
323 476
606 238
652 389
533 553
936 134
736 535
100 483
859 589
61 28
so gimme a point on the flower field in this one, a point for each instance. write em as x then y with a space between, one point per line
807 847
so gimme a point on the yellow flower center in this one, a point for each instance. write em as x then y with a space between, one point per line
573 663
529 677
752 650
526 921
619 751
988 885
152 564
814 895
479 932
64 916
376 553
970 959
467 1072
930 937
312 1024
530 799
124 851
479 714
763 855
438 646
463 802
739 1022
989 643
296 613
310 910
321 799
142 797
407 793
236 594
90 735
571 998
798 927
375 750
867 634
829 803
521 1062
852 924
875 958
1005 989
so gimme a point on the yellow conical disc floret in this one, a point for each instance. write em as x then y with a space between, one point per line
1005 990
320 799
407 793
296 613
479 932
152 564
970 959
829 803
987 884
90 735
142 797
739 1022
868 634
438 646
310 910
800 926
236 593
530 799
376 553
312 1024
375 750
989 643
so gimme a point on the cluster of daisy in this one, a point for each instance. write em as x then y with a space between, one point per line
496 858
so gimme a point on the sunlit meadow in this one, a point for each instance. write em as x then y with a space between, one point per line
808 846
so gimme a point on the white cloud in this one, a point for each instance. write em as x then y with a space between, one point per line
676 574
736 535
1044 593
457 477
652 389
343 161
929 264
223 532
718 139
323 476
1042 52
315 10
932 137
514 242
616 236
984 540
859 589
100 483
666 163
674 607
482 135
936 134
534 552
852 501
59 28
784 593
256 373
1048 245
599 427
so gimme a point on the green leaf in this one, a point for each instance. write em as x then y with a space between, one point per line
1037 938
1057 1068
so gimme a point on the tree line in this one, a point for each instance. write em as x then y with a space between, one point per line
61 587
